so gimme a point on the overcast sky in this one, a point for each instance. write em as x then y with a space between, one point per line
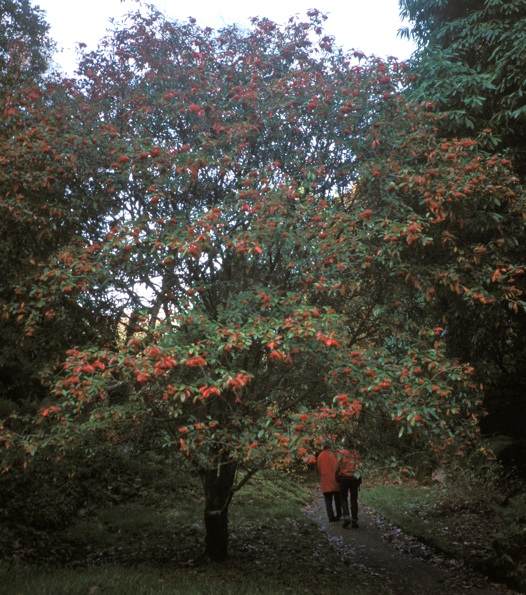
367 25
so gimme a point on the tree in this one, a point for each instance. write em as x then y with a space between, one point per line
271 220
469 63
25 50
25 47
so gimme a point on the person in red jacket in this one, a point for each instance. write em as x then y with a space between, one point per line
349 477
330 488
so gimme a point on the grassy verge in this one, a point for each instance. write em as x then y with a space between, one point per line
146 546
472 523
414 508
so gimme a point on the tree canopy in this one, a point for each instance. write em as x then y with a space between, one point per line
25 52
25 46
469 63
258 241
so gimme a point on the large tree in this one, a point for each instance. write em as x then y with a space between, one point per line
42 154
25 46
470 63
268 220
25 52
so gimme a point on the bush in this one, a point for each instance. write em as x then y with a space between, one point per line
43 496
475 486
49 494
510 544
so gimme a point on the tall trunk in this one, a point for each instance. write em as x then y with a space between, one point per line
217 484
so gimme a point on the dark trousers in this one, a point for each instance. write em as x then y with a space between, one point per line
329 497
349 487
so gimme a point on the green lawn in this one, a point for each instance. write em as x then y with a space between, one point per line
147 547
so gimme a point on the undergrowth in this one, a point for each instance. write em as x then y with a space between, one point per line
475 515
147 538
135 525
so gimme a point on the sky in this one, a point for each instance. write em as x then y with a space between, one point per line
367 25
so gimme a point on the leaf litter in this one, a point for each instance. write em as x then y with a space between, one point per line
400 561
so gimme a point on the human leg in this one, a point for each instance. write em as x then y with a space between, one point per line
338 505
327 496
344 501
354 484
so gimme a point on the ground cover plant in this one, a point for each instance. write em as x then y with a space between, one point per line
474 516
149 542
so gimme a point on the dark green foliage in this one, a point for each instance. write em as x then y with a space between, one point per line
25 47
25 51
49 494
42 497
60 207
510 544
471 64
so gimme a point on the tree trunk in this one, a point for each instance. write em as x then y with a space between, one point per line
217 484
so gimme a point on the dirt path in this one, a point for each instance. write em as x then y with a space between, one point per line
405 565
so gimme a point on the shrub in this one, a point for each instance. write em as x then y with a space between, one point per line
510 544
43 496
51 491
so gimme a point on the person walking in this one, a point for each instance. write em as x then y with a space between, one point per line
349 477
330 488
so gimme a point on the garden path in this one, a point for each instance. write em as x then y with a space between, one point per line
402 562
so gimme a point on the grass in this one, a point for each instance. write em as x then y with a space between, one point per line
144 535
464 519
116 580
146 546
412 508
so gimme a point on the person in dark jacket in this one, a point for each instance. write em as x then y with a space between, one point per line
349 477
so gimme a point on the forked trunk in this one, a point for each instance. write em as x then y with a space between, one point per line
217 485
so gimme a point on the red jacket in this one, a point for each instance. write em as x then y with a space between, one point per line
326 462
348 462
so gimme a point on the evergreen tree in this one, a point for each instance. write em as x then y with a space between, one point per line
470 63
25 46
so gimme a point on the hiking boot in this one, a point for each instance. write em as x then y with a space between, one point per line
332 519
354 525
346 522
